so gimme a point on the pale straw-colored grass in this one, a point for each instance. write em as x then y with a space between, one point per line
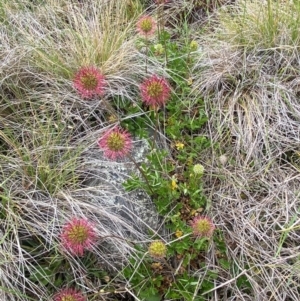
251 97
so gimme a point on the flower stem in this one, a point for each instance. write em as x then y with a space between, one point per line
161 29
141 172
146 59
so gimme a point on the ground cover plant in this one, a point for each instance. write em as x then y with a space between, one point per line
149 150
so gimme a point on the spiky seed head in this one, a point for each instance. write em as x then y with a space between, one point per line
155 91
146 26
69 294
194 45
198 169
89 82
78 235
157 249
116 143
159 49
202 226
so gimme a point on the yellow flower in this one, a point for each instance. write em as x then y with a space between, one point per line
174 184
178 233
179 145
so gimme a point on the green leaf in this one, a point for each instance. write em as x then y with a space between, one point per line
153 298
149 293
225 264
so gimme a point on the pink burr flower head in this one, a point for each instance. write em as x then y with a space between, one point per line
69 294
116 143
89 82
202 226
155 91
78 235
146 26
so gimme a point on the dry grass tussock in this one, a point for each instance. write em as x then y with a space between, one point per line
263 23
252 100
45 45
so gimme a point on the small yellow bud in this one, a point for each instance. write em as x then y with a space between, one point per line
194 45
159 49
112 118
189 81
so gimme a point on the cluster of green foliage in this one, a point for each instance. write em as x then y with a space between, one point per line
176 190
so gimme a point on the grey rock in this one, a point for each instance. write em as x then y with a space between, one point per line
135 208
